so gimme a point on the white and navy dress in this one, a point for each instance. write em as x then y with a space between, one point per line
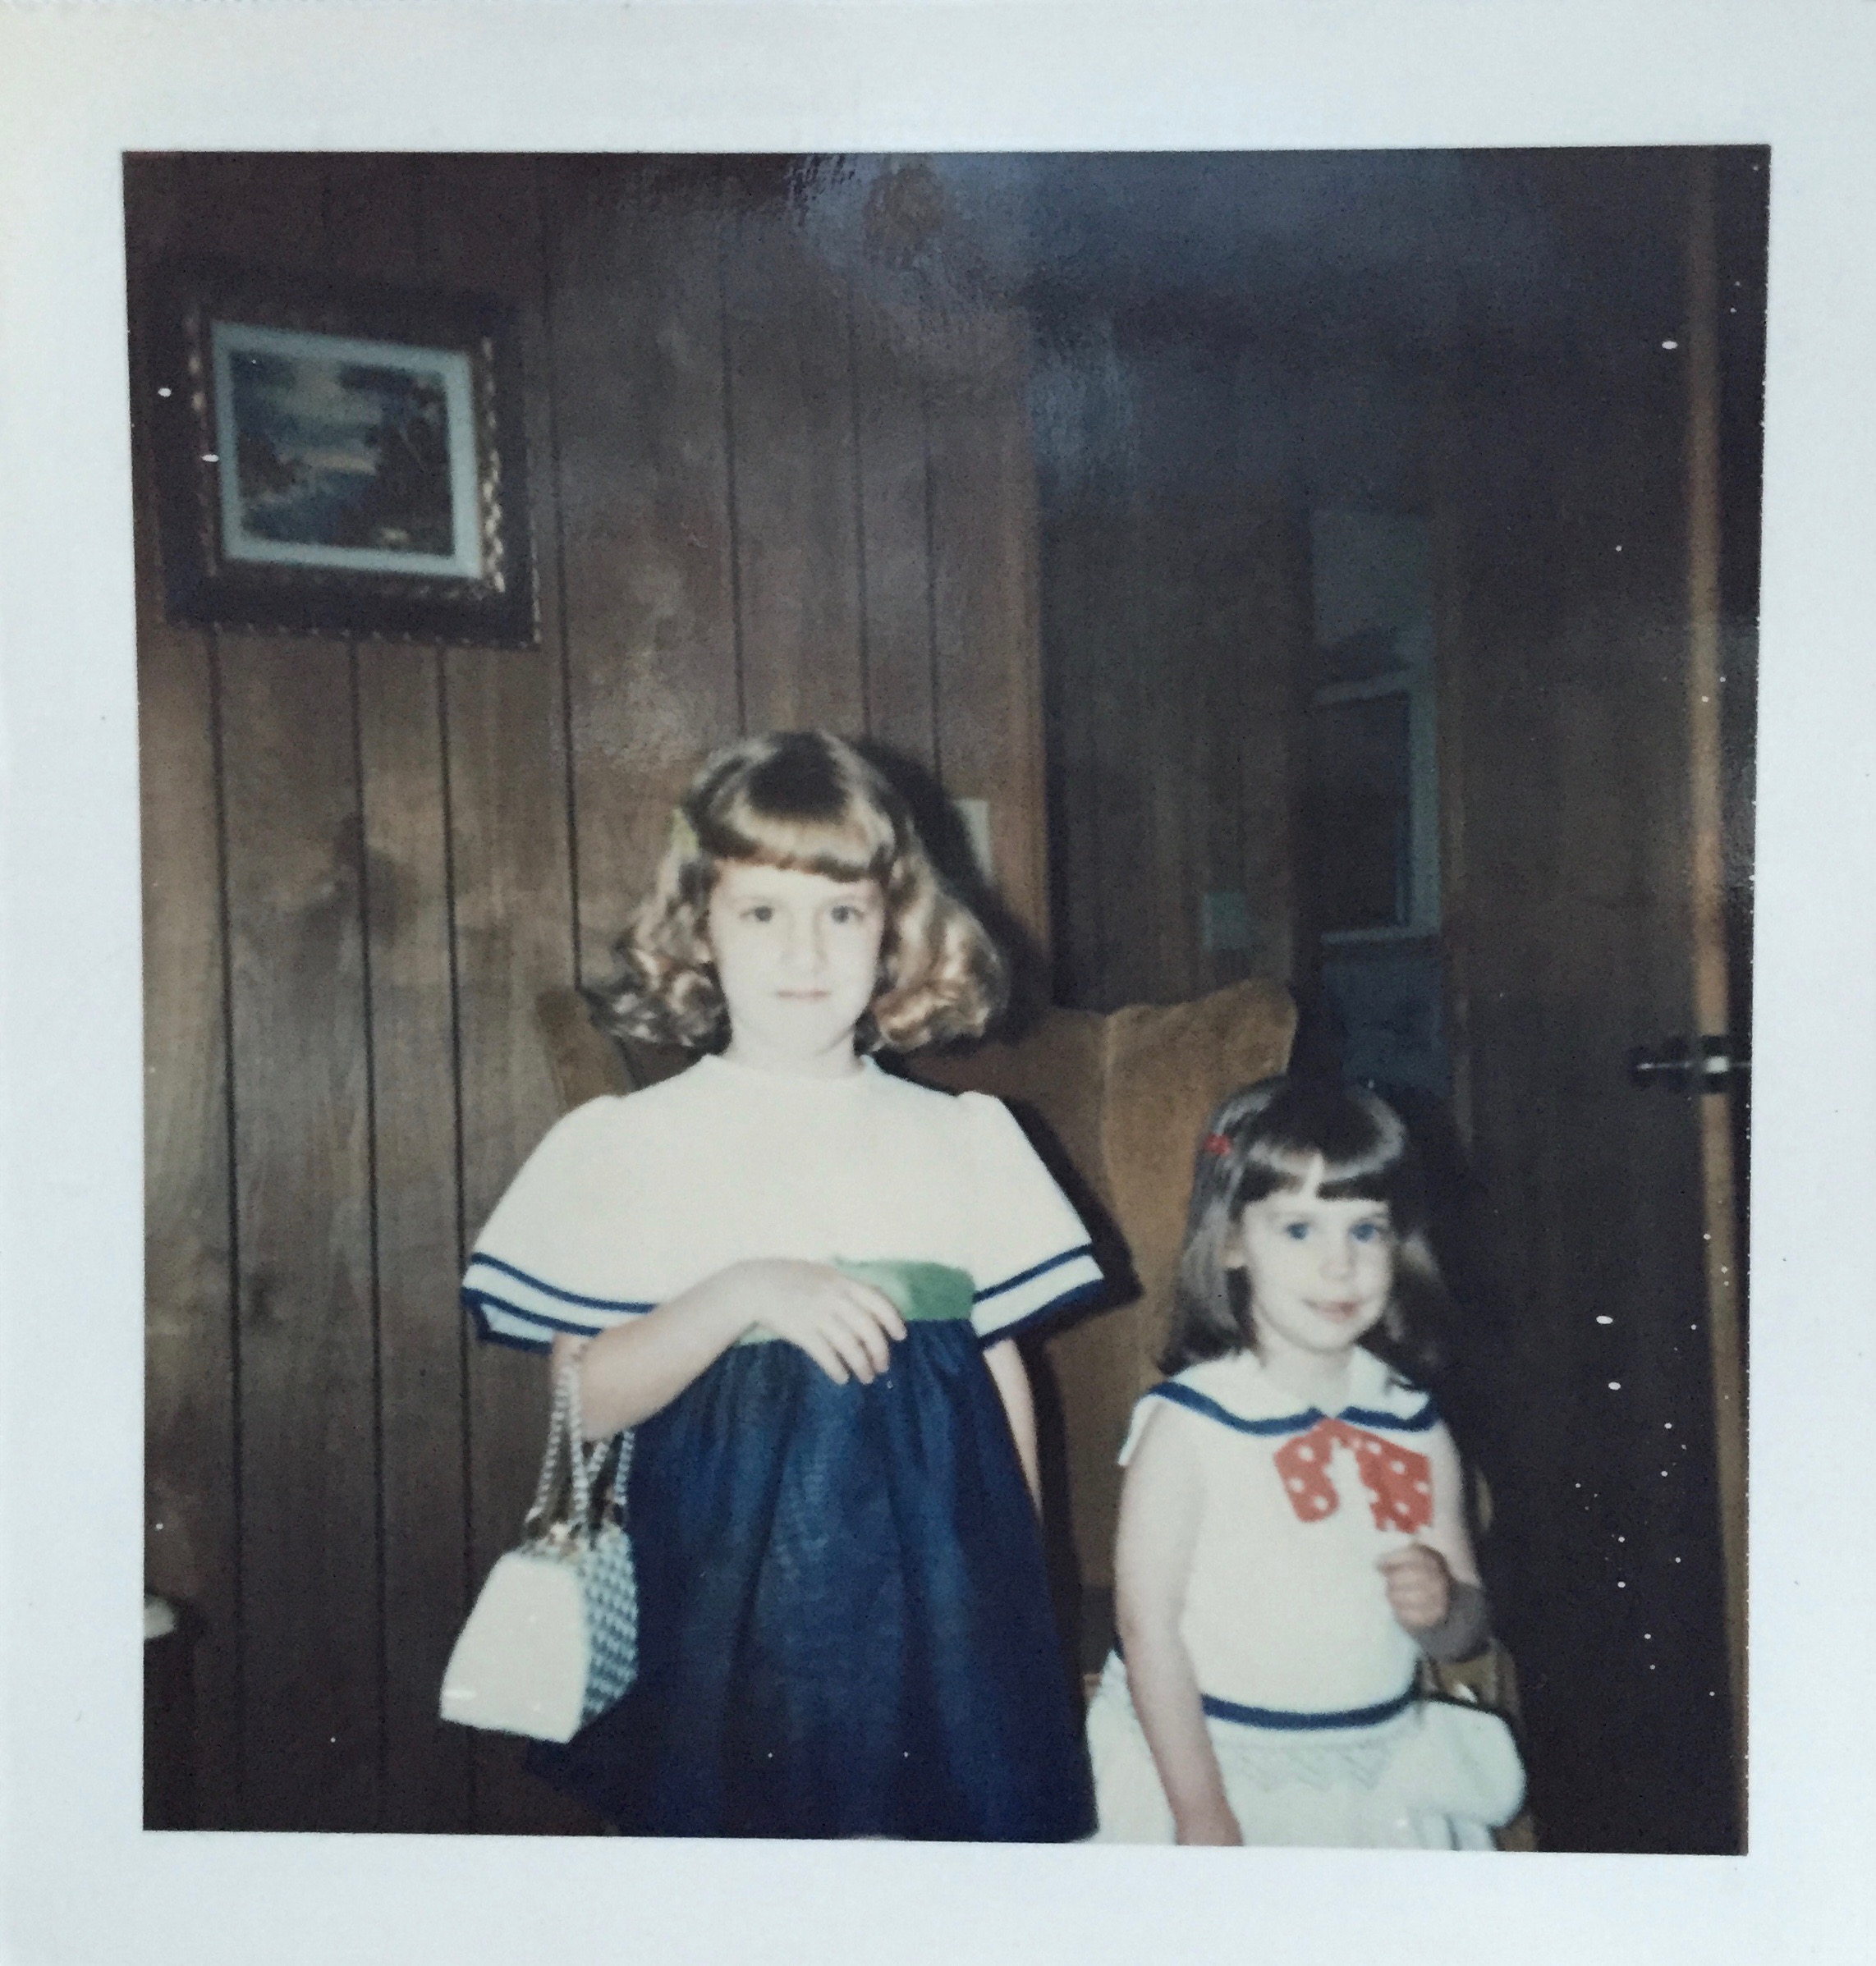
1307 1679
845 1628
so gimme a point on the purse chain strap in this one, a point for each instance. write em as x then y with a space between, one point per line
565 1427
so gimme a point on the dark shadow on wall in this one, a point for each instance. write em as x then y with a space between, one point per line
949 846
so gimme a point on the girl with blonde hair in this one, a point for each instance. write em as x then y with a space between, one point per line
799 1279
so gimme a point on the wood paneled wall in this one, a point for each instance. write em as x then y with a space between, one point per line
763 495
1175 614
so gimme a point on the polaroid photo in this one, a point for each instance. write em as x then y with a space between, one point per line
1339 583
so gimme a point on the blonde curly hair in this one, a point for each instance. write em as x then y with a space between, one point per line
807 800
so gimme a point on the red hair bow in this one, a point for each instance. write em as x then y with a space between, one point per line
1218 1144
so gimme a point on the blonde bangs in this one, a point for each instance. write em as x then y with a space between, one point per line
860 845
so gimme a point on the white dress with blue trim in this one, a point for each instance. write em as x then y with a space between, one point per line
1309 1680
628 1202
844 1620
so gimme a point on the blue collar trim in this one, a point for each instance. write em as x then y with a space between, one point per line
1197 1402
1395 1423
1419 1422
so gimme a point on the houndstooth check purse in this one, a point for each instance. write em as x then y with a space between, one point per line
552 1641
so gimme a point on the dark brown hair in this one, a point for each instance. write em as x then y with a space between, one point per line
807 800
1265 1139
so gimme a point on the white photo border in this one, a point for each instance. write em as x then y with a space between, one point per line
80 87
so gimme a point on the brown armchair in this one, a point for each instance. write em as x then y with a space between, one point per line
1126 1093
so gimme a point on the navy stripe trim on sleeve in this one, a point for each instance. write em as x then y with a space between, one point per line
1040 1269
1053 1308
548 1289
488 1334
480 1301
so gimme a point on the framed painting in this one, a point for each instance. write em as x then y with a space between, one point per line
340 461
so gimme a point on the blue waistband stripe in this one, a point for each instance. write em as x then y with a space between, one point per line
1291 1722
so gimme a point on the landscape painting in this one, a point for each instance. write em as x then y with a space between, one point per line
344 453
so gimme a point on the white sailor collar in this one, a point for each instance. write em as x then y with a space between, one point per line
1236 1392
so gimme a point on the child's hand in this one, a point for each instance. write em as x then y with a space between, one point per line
1419 1586
1214 1824
845 1326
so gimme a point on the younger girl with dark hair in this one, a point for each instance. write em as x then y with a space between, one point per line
1292 1537
844 1623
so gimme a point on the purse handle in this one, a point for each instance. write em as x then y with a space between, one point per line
565 1427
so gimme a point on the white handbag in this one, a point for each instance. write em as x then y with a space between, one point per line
552 1641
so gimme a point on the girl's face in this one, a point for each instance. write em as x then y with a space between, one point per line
797 957
1320 1271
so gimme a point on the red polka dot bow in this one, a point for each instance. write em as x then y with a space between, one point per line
1398 1481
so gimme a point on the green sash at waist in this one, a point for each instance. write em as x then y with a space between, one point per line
922 1293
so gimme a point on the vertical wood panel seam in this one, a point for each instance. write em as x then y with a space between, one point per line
422 245
212 642
466 1415
550 385
859 511
372 1234
730 457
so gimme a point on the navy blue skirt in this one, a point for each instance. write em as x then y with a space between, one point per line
845 1628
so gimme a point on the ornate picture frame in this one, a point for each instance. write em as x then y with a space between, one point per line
340 461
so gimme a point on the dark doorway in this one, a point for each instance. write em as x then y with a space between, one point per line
1381 557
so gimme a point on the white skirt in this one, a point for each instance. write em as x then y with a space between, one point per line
1437 1776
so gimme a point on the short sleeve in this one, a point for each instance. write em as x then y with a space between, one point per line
546 1261
1031 1254
1144 1409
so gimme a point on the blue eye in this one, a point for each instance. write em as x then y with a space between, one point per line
1297 1231
1368 1232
